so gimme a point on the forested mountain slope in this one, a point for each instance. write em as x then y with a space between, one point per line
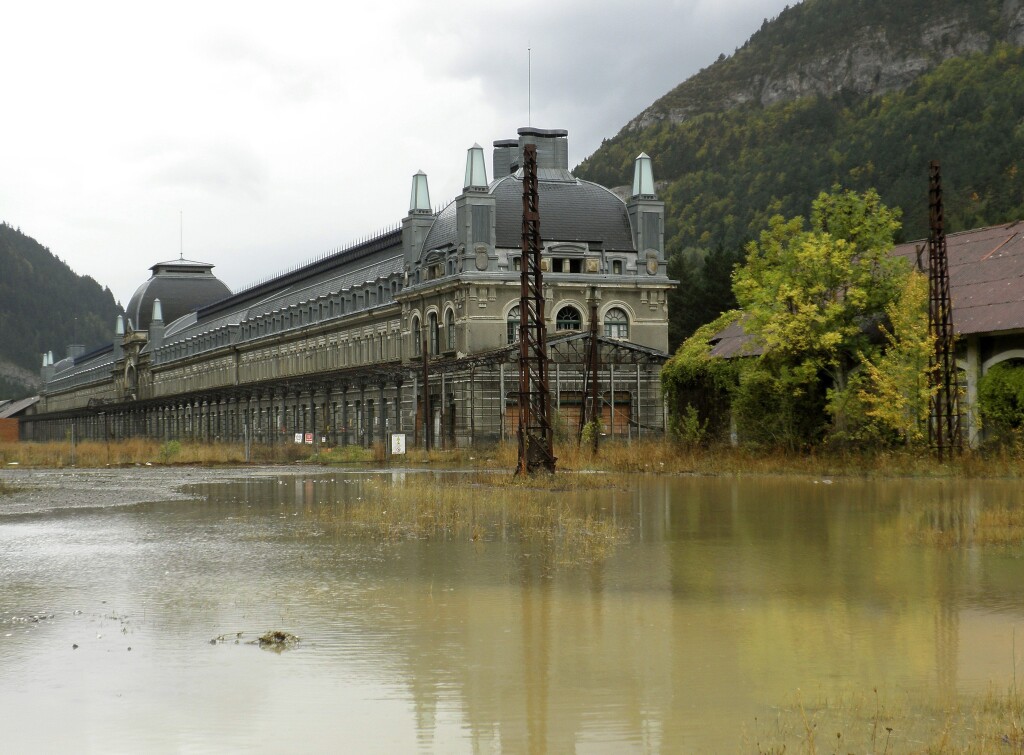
44 305
860 93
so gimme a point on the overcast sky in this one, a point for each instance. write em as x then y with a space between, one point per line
275 132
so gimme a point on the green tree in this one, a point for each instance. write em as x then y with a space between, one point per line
812 297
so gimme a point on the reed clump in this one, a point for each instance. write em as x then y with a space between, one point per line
567 528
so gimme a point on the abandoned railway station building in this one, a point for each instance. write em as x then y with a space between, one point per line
334 350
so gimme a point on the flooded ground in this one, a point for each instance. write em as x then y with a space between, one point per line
125 625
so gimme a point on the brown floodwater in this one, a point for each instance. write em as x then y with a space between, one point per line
723 600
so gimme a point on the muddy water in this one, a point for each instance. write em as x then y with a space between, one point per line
724 598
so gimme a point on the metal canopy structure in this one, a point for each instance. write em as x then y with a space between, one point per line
536 434
944 421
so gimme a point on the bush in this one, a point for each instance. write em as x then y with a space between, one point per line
687 429
1001 402
169 451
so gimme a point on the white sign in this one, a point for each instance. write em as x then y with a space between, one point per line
397 444
298 437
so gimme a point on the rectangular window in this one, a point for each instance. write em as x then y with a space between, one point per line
617 267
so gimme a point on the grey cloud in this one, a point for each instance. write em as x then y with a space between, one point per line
594 67
291 80
222 169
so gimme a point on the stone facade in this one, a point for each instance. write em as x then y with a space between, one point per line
340 348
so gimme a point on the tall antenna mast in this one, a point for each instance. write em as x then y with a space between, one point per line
529 86
181 236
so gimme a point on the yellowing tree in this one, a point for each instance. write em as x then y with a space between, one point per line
815 297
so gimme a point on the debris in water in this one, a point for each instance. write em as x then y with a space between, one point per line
276 640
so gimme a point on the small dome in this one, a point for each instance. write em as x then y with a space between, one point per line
182 286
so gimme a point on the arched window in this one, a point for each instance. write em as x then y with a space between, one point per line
616 323
449 327
568 318
416 336
435 335
513 324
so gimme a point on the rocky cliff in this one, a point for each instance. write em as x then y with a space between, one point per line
850 47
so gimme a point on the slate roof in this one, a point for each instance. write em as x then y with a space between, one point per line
734 341
182 286
986 284
14 408
326 281
570 210
986 277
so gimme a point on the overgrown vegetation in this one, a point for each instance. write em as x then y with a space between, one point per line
838 337
1001 404
667 456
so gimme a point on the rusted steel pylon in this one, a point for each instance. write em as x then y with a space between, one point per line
536 438
590 407
944 420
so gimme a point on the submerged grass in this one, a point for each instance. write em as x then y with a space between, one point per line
566 529
866 721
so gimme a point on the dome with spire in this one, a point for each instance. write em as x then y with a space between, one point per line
181 285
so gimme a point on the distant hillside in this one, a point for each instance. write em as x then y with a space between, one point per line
861 93
44 305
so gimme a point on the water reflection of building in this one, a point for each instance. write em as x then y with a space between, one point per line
335 347
728 597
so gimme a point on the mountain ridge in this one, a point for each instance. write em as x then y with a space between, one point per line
44 302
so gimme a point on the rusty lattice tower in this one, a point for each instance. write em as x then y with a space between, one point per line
536 437
944 421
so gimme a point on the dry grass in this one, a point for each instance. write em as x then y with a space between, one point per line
565 528
647 456
58 454
870 722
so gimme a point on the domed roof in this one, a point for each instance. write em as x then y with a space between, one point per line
182 286
570 210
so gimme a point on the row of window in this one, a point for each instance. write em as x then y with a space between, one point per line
293 317
434 332
616 322
568 265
